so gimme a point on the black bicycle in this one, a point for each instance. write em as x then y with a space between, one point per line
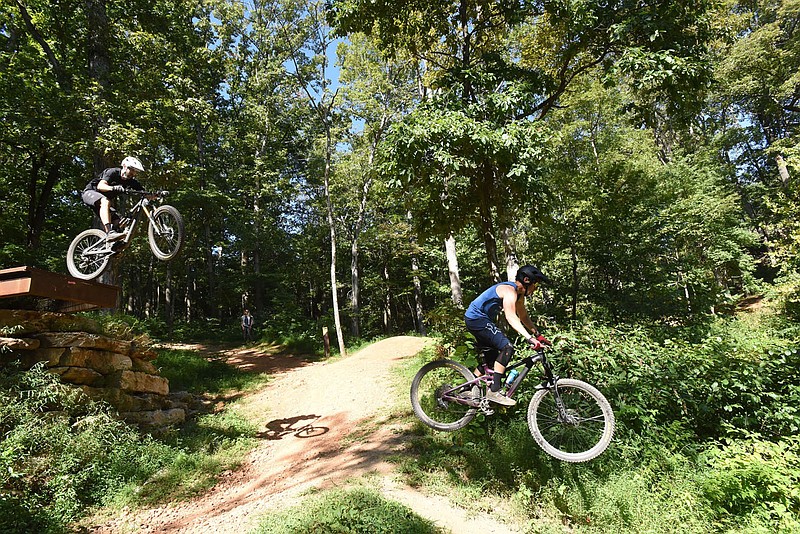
89 253
569 419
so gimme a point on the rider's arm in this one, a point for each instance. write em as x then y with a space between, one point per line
509 296
104 187
522 312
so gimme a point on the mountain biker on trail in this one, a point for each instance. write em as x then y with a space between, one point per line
100 192
482 313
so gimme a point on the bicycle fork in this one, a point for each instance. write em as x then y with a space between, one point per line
551 383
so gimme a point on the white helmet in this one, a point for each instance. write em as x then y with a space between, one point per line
133 163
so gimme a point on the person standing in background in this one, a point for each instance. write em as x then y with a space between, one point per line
247 326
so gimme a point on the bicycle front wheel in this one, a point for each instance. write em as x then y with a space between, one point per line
88 255
434 393
582 432
166 233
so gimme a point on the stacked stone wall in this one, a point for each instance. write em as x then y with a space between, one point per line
117 371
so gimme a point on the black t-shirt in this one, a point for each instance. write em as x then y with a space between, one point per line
113 176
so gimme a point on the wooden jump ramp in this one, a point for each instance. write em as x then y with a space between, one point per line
67 294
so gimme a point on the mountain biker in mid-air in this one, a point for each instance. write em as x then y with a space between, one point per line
482 313
100 192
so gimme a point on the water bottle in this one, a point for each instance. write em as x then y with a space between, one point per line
512 375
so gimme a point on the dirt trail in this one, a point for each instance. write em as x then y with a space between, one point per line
321 424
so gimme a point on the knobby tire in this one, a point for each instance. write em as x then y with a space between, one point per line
166 233
87 266
591 425
426 395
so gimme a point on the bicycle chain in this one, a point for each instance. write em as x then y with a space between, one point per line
484 407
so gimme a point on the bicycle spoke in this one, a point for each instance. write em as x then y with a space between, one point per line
577 431
88 256
166 232
441 398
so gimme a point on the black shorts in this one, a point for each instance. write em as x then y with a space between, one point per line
92 199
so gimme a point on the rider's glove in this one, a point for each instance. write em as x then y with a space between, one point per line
543 340
535 344
118 188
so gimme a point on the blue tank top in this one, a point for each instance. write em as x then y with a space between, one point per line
488 303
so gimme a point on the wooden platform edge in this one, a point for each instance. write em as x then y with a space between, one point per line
75 294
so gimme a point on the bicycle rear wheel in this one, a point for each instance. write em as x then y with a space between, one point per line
166 233
584 433
434 391
88 255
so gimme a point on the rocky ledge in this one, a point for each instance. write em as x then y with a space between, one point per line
117 371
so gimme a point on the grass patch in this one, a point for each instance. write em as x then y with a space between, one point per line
191 371
352 510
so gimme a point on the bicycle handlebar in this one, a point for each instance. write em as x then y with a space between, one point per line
161 194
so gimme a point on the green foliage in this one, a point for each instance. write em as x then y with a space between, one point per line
730 372
294 334
361 510
755 477
632 235
63 453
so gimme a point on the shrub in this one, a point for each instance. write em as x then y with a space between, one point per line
752 476
61 452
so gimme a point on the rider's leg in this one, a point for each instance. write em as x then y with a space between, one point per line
102 207
487 333
108 216
105 212
488 358
500 366
491 336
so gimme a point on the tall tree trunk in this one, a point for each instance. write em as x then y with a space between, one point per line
189 298
169 304
99 71
452 267
149 291
487 223
355 296
39 200
574 254
205 217
319 44
387 302
512 262
329 204
258 283
419 313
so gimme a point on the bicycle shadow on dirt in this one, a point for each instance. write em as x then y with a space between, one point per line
300 426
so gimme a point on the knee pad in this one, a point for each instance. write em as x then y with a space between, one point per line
506 354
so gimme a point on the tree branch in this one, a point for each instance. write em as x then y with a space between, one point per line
61 75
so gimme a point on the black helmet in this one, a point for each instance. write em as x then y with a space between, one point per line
528 274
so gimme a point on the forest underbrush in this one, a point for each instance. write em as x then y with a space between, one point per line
706 440
63 455
706 436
